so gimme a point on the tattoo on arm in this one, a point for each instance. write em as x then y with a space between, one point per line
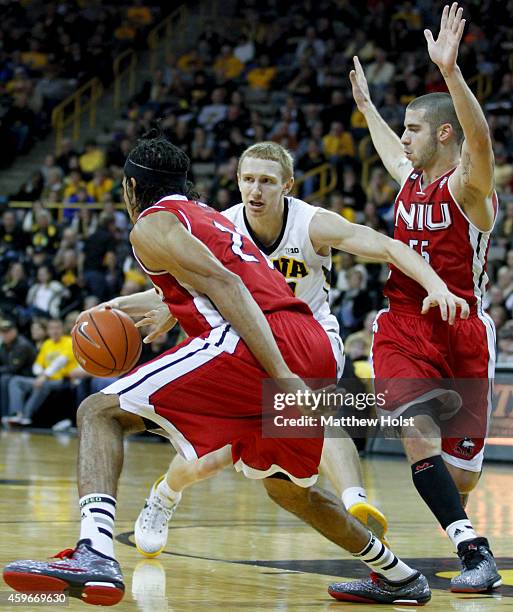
466 165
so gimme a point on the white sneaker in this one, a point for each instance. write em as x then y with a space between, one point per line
11 419
151 526
63 425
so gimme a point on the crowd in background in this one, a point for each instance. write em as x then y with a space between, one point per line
280 72
49 49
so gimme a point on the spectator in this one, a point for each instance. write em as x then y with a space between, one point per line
52 367
44 233
313 158
12 238
311 45
338 144
505 343
14 289
96 248
380 72
44 297
100 184
380 191
244 51
92 159
72 183
355 302
261 76
351 190
17 355
38 332
212 113
227 66
30 190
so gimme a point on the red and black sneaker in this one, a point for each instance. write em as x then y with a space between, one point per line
81 572
413 591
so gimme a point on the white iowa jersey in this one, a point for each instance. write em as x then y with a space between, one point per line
292 253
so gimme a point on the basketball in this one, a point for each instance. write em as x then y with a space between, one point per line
106 342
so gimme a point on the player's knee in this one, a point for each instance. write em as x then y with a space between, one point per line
208 466
284 492
97 405
464 480
421 440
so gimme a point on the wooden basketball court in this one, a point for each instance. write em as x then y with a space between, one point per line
230 548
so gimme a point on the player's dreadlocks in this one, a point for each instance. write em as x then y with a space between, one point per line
159 168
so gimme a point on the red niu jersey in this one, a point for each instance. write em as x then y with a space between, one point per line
430 221
195 311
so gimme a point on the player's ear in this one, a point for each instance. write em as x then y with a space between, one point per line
445 132
287 187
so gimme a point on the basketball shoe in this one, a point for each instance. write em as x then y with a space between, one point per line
81 572
372 518
479 571
152 524
414 591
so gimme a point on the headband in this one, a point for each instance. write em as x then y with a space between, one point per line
154 176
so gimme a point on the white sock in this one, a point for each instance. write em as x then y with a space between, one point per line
459 531
382 560
169 496
354 495
97 513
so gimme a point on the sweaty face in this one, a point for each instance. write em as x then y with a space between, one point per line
262 186
419 142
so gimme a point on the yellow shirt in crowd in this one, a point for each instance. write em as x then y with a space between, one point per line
51 350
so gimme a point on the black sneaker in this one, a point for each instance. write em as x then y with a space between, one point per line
479 572
413 591
81 572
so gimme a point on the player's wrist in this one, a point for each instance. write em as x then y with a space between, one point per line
439 287
449 72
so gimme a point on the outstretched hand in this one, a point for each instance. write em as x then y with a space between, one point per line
448 304
360 86
444 50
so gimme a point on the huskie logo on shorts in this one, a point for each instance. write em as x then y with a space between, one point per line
465 447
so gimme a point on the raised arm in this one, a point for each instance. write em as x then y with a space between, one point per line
327 229
472 183
162 242
385 140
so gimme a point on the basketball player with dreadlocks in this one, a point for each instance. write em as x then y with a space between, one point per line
244 325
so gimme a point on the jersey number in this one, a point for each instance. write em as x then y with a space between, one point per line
420 246
237 246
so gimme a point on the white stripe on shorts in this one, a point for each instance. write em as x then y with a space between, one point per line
135 390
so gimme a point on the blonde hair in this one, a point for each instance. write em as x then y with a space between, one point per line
271 151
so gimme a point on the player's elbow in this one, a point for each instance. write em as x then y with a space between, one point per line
392 250
223 284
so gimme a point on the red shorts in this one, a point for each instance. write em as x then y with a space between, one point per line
416 347
207 392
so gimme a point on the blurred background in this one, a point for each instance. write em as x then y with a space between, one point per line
81 80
